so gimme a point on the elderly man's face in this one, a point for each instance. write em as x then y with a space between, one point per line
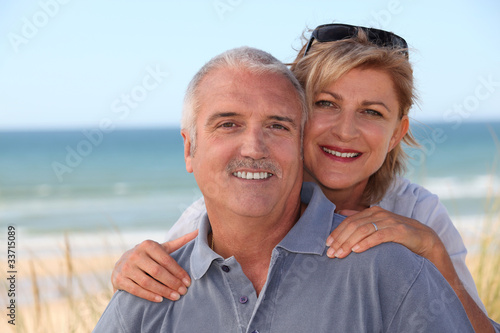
247 157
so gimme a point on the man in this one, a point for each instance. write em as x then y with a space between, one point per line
259 262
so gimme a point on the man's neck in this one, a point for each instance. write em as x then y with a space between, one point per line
251 240
344 198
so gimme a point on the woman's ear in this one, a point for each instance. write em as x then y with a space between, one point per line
187 150
400 131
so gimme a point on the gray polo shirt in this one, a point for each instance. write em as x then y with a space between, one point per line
385 289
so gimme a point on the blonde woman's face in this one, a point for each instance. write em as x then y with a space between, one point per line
354 124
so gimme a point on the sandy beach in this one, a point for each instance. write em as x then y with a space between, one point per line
63 281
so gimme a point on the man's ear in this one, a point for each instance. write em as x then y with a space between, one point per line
400 132
187 150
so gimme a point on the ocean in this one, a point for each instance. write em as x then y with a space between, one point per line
90 193
54 182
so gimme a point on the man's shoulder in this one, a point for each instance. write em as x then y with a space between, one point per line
393 254
128 313
131 313
388 260
388 264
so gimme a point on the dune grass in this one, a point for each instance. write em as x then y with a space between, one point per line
74 307
484 263
78 308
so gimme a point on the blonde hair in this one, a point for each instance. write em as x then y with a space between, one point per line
327 62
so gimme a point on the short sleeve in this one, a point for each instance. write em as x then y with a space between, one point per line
189 220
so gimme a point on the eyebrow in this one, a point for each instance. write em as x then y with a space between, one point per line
367 103
284 119
221 115
364 103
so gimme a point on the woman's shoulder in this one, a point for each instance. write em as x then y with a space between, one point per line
406 198
404 187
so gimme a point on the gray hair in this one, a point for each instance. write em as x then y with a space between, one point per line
251 59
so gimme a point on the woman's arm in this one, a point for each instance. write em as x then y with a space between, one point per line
357 233
148 271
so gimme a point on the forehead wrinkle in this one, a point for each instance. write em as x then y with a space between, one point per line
333 94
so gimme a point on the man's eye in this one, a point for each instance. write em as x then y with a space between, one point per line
228 124
279 126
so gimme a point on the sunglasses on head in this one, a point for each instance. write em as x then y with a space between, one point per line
333 32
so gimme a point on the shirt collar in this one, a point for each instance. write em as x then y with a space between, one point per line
202 255
308 235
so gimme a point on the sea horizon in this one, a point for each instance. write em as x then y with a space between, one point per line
134 179
76 192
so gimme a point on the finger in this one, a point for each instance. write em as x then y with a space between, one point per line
139 273
369 242
122 281
345 229
353 218
136 278
176 244
169 287
383 235
338 230
351 236
135 289
157 263
172 266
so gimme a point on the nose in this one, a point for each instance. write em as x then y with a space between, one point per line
254 144
345 126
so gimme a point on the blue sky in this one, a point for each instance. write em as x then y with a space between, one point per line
87 64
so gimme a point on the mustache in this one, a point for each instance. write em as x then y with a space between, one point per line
256 165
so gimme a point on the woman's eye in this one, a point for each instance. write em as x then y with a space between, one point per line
324 104
373 112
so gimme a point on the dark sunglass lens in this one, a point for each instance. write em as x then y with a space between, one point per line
334 33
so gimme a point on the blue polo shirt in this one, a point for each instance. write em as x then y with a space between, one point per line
385 289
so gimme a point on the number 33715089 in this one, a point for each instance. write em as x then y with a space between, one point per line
11 247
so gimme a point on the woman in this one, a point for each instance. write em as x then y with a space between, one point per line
359 85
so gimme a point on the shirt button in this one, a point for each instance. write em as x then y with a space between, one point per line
225 268
243 299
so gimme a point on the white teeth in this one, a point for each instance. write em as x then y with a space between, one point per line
339 154
252 175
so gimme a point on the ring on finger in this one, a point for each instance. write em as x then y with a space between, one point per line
376 229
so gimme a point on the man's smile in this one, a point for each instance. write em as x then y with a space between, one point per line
252 175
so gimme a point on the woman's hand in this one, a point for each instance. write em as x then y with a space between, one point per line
357 233
149 272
